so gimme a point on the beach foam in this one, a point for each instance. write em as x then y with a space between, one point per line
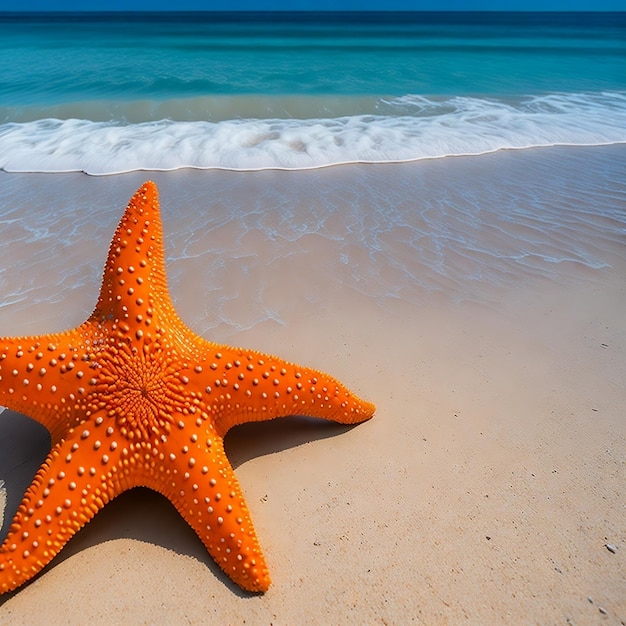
403 129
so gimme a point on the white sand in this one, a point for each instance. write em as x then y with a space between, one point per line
485 488
483 491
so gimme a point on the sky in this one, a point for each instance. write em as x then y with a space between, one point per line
346 5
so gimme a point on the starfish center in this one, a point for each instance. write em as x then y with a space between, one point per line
140 389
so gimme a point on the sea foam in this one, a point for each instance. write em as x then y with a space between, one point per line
407 128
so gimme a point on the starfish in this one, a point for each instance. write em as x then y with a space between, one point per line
132 397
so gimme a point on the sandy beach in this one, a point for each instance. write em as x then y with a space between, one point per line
489 483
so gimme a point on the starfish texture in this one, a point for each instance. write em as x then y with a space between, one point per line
132 397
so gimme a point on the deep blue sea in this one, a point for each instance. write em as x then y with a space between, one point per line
105 93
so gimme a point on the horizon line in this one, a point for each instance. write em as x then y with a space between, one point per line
303 11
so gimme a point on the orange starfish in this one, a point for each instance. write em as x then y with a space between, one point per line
132 397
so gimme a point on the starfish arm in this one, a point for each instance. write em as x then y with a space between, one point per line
246 386
134 294
198 479
80 475
45 377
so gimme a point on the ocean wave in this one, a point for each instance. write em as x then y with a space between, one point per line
407 128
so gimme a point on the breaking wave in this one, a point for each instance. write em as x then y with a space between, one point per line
401 129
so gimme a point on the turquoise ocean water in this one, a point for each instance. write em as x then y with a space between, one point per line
121 92
131 93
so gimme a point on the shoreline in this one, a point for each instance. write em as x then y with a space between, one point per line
491 477
312 168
